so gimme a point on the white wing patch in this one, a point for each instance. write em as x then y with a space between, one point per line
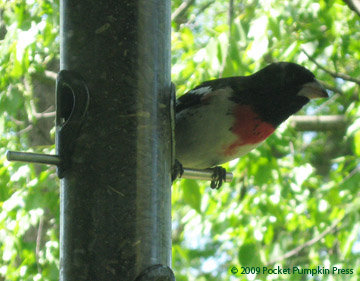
201 91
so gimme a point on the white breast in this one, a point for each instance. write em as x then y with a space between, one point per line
203 132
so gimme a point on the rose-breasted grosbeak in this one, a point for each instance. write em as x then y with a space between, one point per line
223 119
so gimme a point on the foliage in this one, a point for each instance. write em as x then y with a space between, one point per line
29 195
293 201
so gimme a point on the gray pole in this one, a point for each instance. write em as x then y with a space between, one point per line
115 196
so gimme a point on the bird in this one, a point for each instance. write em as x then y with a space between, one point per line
223 119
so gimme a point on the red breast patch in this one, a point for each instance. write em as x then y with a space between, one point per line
249 128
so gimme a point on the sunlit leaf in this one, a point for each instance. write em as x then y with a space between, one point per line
192 195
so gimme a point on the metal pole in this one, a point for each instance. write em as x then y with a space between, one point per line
115 196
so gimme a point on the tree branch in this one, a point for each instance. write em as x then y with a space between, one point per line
50 74
200 11
46 114
331 88
38 243
309 243
318 123
27 129
230 23
354 5
181 9
205 6
231 15
333 73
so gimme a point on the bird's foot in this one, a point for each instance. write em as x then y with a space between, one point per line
218 177
178 170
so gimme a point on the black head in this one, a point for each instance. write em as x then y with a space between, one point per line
281 89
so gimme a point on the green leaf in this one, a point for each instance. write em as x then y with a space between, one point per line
357 143
351 239
249 255
192 195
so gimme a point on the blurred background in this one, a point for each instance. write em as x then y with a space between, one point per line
294 201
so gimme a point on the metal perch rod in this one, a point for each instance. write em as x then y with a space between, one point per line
198 174
49 159
33 157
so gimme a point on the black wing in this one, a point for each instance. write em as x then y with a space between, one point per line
194 96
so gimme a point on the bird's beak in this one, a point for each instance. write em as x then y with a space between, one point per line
313 90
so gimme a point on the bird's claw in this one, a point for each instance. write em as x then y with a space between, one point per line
218 177
178 170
